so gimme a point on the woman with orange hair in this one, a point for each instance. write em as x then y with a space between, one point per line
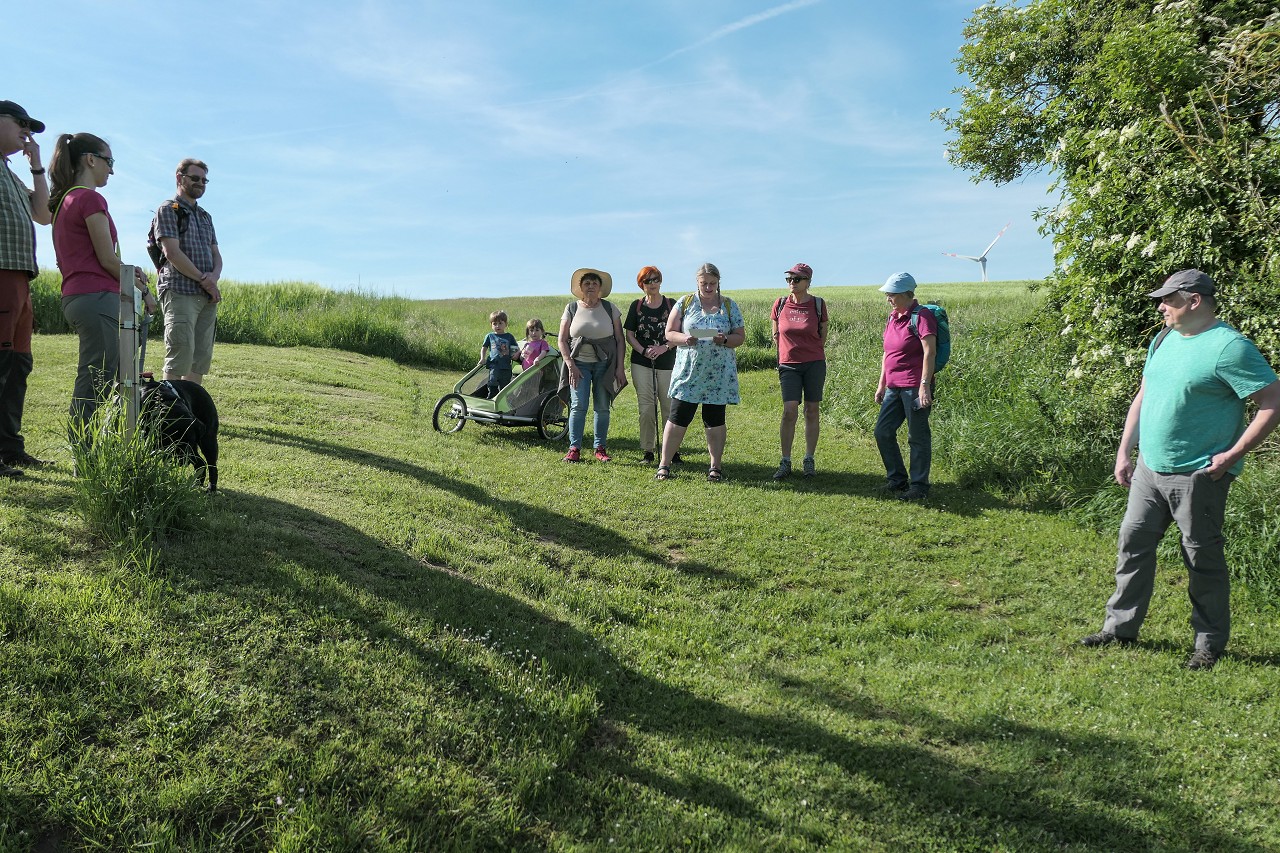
651 356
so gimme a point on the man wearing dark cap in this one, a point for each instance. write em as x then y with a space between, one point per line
1189 421
19 208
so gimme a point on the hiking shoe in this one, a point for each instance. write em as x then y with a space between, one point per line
676 457
602 456
893 489
1202 659
23 460
648 456
1106 638
7 471
573 455
809 470
784 470
914 493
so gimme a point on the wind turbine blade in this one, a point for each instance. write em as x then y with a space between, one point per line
998 236
965 257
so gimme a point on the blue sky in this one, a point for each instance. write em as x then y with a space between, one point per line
489 148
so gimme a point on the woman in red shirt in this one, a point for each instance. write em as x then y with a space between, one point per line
800 324
84 239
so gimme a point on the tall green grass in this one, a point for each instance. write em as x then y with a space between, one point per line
130 492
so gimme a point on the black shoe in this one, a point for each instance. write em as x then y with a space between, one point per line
6 471
1106 638
914 493
893 489
1202 659
648 456
23 460
676 458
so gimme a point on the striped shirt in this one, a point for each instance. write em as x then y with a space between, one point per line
196 239
17 231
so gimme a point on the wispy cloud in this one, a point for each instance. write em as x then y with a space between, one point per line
741 24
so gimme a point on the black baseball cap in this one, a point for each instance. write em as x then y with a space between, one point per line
9 108
1188 281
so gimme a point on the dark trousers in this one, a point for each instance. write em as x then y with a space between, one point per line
15 367
16 320
900 405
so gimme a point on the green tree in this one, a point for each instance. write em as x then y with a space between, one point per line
1158 125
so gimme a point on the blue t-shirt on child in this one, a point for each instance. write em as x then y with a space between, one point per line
503 349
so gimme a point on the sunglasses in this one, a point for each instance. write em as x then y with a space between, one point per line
110 161
195 179
655 280
792 279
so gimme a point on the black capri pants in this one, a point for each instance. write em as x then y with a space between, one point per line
682 414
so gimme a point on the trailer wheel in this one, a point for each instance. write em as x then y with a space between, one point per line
450 414
553 422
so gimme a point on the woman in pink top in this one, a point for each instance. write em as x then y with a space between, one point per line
905 390
84 239
800 325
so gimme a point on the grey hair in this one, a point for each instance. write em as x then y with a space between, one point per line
708 269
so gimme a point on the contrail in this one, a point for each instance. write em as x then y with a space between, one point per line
749 21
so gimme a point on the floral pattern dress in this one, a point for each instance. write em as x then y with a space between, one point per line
707 372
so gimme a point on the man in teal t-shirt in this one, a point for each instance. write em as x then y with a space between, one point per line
1188 421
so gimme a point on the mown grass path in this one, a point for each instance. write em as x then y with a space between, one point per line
390 639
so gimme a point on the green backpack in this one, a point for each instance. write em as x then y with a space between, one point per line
943 354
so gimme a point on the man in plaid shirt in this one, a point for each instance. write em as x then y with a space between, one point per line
188 287
19 207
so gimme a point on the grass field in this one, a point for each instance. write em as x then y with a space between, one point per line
383 638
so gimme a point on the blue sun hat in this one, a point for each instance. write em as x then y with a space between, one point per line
899 282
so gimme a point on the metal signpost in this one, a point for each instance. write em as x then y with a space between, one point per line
129 346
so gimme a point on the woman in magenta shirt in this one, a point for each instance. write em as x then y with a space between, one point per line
84 239
905 390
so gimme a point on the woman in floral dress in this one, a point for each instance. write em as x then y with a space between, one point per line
705 327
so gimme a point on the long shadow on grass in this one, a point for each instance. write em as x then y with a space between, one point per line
722 774
572 531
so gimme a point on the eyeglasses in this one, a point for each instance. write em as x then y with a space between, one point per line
196 179
22 124
111 161
792 279
653 280
1176 300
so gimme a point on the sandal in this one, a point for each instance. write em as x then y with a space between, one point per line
715 475
664 472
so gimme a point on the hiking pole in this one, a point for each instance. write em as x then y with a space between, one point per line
142 344
657 404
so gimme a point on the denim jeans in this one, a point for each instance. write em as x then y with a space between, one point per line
900 405
590 387
1198 505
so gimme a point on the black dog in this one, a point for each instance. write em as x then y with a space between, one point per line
187 420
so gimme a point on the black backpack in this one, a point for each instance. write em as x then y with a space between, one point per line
153 243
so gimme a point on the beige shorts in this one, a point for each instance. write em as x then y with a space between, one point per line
189 323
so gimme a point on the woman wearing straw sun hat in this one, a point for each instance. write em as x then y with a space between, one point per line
592 345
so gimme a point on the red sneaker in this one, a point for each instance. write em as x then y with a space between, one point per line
573 455
602 456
